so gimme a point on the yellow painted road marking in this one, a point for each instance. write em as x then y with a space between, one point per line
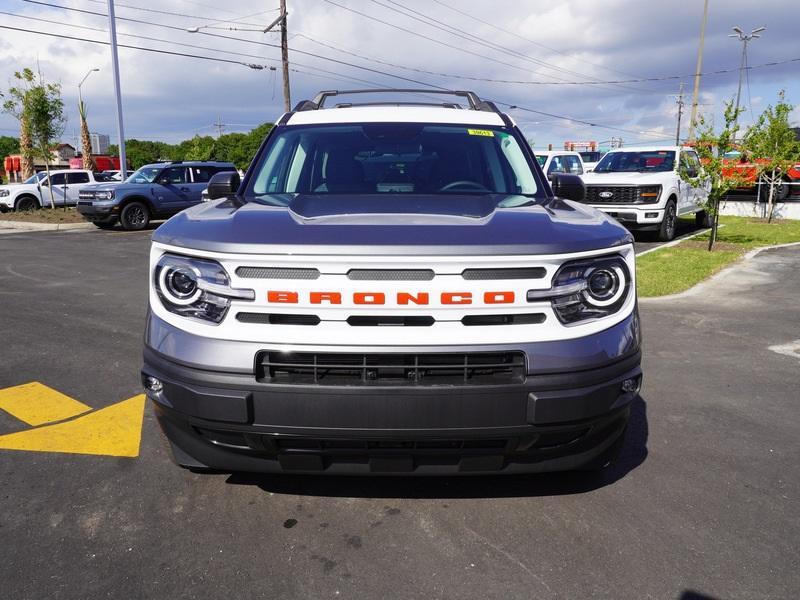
112 431
36 404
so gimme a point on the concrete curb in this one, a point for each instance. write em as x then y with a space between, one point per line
678 240
700 287
25 226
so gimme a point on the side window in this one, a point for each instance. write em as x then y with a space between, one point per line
202 174
693 160
574 165
77 178
58 179
556 165
173 175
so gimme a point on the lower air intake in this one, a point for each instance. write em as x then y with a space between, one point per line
476 368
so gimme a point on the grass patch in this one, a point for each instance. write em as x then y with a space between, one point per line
44 215
677 268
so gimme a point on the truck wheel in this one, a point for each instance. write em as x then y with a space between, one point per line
667 230
27 203
782 191
134 216
703 219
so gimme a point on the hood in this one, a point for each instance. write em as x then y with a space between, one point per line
631 178
392 224
104 186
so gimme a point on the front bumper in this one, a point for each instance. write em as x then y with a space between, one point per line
97 212
551 421
634 217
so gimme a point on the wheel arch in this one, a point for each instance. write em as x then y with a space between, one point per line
24 195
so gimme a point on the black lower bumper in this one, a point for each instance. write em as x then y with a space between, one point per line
98 214
233 422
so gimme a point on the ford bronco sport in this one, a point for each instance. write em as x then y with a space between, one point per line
154 191
393 288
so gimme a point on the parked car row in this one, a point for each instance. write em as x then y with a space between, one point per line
643 187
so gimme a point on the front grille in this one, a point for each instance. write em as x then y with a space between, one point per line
512 273
277 319
276 273
475 368
84 203
390 274
619 194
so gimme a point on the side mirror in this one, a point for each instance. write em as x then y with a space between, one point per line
223 185
569 187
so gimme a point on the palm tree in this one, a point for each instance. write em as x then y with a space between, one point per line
86 140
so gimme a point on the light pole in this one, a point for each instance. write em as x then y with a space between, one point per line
744 38
112 35
85 77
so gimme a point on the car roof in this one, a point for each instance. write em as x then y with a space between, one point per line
651 148
554 152
395 114
190 163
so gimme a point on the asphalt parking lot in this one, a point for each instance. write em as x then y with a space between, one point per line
702 504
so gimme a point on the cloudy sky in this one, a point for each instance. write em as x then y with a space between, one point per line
520 52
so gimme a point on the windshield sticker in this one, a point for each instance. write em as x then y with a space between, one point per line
486 132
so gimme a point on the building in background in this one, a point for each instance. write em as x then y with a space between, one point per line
99 142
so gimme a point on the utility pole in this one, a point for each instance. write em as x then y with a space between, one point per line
680 104
744 38
220 126
697 71
287 99
112 34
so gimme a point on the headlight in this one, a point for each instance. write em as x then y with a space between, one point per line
105 195
4 193
587 289
194 287
649 193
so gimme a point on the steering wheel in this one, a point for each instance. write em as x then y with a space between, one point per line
464 183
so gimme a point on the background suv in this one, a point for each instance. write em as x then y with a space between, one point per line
154 191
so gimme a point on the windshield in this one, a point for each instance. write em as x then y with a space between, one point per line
590 156
144 175
32 179
656 161
396 158
541 159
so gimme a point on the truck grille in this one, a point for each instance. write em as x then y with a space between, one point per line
620 194
478 368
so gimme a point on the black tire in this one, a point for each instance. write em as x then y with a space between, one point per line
105 224
703 219
782 191
28 203
667 230
134 216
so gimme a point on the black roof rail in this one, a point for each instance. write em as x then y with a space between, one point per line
475 103
439 104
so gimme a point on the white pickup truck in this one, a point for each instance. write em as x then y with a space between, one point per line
643 189
34 192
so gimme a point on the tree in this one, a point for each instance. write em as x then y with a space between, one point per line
86 139
40 110
14 104
711 148
772 142
8 146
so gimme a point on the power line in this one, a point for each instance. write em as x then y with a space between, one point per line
530 41
175 14
466 35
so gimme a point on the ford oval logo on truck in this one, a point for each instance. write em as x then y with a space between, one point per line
606 195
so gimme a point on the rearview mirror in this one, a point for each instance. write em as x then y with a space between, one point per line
569 187
223 185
